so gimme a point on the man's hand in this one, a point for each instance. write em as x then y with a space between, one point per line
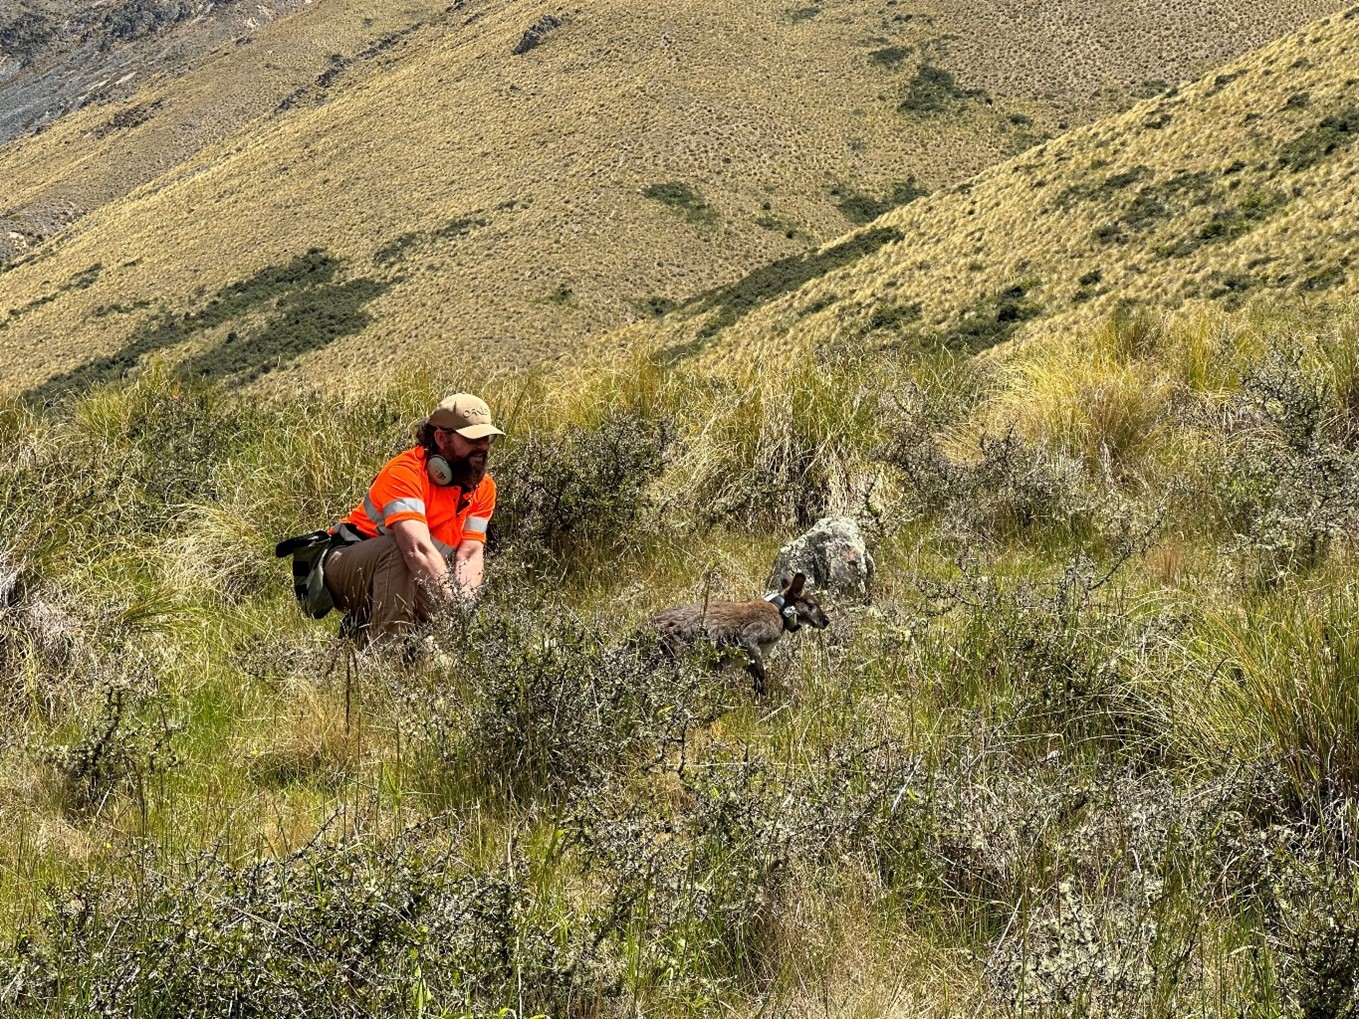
469 563
426 564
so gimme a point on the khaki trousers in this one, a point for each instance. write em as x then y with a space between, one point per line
371 583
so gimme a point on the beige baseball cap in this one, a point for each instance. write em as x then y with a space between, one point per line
465 414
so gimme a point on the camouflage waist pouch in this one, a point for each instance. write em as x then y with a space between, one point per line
309 582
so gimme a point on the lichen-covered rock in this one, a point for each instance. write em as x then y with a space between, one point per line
832 554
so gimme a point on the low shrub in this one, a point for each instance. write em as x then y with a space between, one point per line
531 703
579 494
685 199
1054 659
336 930
1011 488
934 90
1287 488
117 750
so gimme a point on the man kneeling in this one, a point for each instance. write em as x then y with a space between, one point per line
419 534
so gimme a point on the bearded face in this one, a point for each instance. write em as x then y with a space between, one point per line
467 458
469 470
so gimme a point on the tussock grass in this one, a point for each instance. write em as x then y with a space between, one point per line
1085 746
1278 680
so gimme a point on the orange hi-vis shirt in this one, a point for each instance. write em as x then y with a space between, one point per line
403 491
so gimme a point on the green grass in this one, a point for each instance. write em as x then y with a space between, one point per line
1089 747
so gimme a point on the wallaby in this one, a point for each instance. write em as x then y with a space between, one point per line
751 627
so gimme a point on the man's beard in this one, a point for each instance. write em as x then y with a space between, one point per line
467 470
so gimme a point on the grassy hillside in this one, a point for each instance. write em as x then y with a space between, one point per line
1083 60
520 202
143 105
1087 749
1239 185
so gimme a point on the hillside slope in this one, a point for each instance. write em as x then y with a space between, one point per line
110 97
1238 185
436 187
59 55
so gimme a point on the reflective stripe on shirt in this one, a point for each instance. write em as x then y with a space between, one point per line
379 516
374 517
403 506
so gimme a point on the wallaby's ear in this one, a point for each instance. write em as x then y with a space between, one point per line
784 581
793 588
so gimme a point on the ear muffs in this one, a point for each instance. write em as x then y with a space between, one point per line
438 470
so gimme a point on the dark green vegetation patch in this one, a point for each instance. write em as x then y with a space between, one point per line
774 224
308 309
990 320
685 199
1326 139
733 302
894 316
934 90
395 251
655 306
80 281
861 208
1156 203
1087 191
889 56
993 319
1324 279
1229 223
1222 81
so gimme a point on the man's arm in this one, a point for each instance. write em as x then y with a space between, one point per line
469 565
422 558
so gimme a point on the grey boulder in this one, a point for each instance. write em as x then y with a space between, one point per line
832 554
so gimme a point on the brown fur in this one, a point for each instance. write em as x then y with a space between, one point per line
749 627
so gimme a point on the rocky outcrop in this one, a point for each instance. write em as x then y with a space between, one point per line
57 56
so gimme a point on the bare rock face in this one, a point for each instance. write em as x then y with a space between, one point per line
832 554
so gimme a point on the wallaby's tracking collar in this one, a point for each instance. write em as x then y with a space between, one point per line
791 623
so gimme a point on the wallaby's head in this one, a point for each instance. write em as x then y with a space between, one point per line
809 610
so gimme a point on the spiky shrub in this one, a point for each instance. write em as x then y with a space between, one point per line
1287 488
702 887
530 702
336 930
1010 488
117 749
579 493
1052 656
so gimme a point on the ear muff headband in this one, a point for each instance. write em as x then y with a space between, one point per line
438 470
